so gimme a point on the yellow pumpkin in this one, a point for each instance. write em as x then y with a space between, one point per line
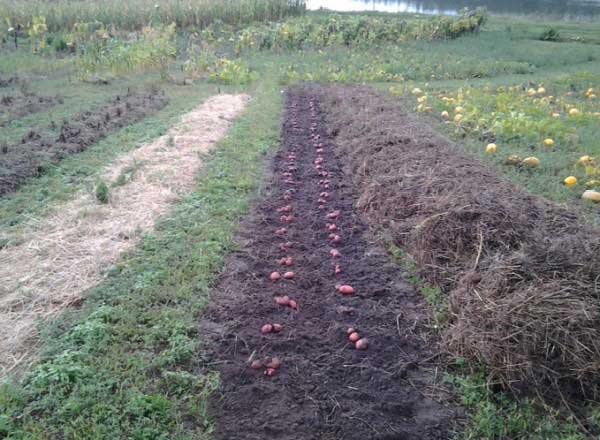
458 118
513 159
532 162
491 149
459 109
571 181
591 195
585 160
574 112
548 142
445 115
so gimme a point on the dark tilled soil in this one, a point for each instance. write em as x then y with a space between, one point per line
17 106
35 153
325 388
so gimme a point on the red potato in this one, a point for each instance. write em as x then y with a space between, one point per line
274 363
290 181
321 207
287 218
335 253
338 269
287 197
267 328
326 186
324 194
289 275
293 304
319 150
346 290
270 372
322 201
318 167
282 300
256 365
332 227
350 331
354 337
275 276
281 231
334 214
286 208
285 246
277 328
362 344
336 239
286 261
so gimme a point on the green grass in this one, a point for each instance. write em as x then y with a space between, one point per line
61 15
498 415
25 64
125 365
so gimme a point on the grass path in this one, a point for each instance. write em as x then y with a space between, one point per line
51 262
122 366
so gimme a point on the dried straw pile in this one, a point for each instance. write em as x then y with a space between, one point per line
522 274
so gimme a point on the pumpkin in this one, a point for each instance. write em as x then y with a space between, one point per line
532 162
570 181
513 159
591 195
491 149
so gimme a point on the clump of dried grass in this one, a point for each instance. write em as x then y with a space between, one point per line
522 274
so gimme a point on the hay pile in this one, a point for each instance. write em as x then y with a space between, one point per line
522 274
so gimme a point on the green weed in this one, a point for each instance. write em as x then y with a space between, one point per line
102 193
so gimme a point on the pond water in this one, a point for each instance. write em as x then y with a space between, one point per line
564 9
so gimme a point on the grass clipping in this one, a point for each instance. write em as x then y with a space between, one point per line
522 274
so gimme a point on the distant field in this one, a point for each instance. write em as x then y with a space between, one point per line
85 84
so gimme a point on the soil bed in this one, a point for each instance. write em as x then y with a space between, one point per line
13 107
324 388
36 152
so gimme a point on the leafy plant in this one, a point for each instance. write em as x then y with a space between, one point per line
102 193
550 35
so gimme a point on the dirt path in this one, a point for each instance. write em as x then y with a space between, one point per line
51 262
325 388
